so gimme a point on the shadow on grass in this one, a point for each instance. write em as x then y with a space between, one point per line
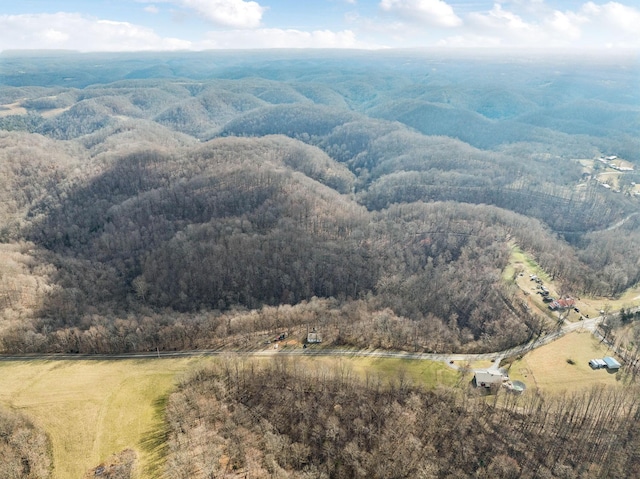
154 442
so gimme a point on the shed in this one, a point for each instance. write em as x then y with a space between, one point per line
611 363
314 338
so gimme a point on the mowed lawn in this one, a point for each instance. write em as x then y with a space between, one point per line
387 372
414 372
548 369
92 409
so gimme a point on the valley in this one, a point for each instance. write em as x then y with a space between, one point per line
173 226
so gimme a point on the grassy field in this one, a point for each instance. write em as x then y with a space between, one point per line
520 261
548 368
93 409
630 298
12 109
424 373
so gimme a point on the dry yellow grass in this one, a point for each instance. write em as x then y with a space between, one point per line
630 298
92 409
547 369
16 108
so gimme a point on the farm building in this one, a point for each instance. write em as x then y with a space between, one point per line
611 363
597 364
488 377
607 362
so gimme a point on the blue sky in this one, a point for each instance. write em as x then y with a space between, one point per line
135 25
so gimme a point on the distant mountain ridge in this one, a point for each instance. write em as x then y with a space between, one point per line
202 183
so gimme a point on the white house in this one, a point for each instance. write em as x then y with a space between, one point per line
488 377
314 338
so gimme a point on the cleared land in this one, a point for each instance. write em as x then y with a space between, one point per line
425 373
521 262
548 368
12 109
93 409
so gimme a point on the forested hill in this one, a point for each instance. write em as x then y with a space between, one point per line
144 198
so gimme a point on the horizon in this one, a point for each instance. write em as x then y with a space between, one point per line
201 25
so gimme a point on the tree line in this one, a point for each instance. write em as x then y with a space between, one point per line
25 449
283 419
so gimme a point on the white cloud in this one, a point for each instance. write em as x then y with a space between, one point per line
592 25
501 22
151 9
568 24
228 13
430 12
614 15
279 38
224 13
74 31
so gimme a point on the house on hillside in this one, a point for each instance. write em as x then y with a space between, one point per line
562 304
314 338
489 377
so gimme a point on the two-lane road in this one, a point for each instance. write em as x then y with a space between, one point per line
448 358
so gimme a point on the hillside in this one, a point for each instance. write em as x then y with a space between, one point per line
236 420
145 202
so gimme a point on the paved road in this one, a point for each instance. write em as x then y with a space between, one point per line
612 227
311 351
449 359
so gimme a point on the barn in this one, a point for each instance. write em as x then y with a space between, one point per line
611 363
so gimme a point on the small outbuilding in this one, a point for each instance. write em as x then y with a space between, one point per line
314 337
611 363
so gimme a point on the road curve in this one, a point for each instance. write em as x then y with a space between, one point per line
448 358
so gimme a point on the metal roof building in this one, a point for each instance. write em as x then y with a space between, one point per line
611 363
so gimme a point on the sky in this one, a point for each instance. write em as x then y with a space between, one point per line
153 25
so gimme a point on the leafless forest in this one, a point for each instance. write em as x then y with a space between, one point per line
283 421
159 202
